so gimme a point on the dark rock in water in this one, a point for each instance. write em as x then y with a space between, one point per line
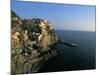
33 43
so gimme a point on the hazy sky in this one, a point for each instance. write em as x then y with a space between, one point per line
62 16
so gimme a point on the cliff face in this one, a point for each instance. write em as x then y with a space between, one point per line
33 42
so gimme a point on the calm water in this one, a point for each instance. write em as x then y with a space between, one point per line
73 58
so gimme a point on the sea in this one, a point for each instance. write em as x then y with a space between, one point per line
82 57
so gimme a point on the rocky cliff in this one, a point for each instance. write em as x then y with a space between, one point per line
33 42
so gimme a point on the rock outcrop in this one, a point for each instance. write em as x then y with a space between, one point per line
33 42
